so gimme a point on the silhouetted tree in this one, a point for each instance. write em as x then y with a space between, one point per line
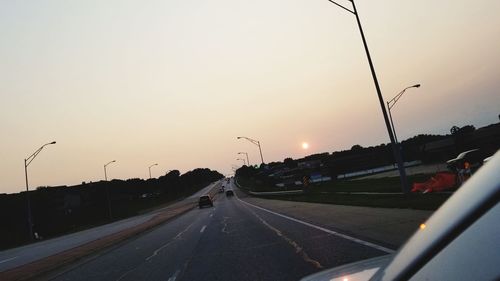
356 147
290 163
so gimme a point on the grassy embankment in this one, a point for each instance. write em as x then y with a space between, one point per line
386 193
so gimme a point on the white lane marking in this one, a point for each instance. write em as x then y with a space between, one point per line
224 222
203 229
177 237
298 249
7 260
174 276
356 240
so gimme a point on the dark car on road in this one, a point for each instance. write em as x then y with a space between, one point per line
205 200
474 157
229 193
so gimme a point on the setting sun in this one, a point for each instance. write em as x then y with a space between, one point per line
305 145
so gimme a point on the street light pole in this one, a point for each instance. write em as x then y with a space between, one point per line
390 105
257 143
27 161
244 163
150 169
105 173
397 156
107 188
248 161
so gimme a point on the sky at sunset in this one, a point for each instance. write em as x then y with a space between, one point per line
174 82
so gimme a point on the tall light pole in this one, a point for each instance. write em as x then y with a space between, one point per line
244 163
248 161
397 155
156 164
105 172
257 143
27 162
390 105
107 189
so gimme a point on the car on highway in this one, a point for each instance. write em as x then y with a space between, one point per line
474 157
229 193
460 241
205 200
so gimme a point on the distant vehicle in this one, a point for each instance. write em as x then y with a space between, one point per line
458 242
474 157
229 193
205 200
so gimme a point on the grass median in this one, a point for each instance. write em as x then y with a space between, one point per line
381 192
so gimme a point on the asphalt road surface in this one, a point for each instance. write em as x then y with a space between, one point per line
231 241
12 258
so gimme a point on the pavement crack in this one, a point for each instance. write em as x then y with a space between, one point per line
157 251
298 249
177 237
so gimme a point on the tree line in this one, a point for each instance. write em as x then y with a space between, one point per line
63 209
428 148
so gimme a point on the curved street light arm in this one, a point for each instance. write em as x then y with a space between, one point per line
398 96
109 163
341 6
30 158
250 140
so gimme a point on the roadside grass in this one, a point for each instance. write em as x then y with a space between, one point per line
387 184
337 192
431 201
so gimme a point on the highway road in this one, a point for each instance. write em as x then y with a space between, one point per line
233 240
19 256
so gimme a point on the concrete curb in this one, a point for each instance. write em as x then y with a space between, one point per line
46 265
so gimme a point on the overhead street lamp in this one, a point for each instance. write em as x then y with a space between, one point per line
107 188
248 161
397 156
244 162
391 103
27 162
257 143
105 173
156 164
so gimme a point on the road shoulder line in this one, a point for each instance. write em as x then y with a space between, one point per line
350 238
